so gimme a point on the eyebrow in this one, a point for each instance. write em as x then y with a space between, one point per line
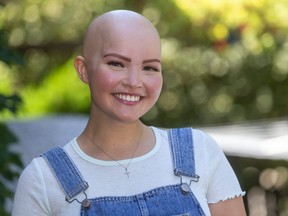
128 59
151 60
118 56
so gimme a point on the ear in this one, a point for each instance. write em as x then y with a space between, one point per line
80 66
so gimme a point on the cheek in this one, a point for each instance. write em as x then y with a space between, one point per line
102 80
155 85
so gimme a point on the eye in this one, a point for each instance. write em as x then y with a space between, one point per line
115 64
151 68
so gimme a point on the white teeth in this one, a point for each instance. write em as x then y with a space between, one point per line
130 98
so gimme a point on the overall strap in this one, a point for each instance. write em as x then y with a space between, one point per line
66 172
182 148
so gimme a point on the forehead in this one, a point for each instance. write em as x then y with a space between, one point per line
130 40
128 35
124 34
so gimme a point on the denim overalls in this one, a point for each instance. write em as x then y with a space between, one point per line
167 200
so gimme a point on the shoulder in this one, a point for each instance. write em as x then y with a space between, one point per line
30 189
34 169
203 140
38 170
35 177
207 150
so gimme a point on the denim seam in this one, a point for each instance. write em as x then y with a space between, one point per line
78 185
181 139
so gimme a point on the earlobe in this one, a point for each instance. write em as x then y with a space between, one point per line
80 66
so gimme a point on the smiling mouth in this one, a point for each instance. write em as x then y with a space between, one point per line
129 98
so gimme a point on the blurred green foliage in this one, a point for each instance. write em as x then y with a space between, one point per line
223 61
10 166
10 163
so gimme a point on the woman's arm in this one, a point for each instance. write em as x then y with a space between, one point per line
29 197
229 207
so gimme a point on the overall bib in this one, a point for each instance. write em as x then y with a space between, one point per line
167 200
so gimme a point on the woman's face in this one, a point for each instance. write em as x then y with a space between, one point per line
125 77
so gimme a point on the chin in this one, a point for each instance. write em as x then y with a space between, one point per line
127 120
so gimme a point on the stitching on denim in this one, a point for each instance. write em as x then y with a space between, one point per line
182 138
58 154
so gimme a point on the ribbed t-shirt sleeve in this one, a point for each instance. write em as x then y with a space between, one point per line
30 196
222 183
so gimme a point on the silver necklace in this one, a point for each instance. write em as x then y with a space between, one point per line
124 167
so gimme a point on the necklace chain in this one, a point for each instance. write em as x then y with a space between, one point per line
124 167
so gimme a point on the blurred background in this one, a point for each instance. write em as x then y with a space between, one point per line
225 68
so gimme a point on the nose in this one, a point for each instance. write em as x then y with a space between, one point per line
132 79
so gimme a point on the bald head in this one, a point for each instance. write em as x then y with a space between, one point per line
110 28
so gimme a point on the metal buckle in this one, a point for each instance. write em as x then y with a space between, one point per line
85 203
185 187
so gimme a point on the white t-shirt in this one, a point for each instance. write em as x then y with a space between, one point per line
38 192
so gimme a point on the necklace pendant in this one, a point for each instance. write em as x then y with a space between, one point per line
127 172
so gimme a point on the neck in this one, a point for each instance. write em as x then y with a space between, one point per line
117 140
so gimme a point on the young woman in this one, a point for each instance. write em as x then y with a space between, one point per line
118 165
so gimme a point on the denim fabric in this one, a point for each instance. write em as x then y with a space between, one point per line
66 172
167 200
163 201
182 147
